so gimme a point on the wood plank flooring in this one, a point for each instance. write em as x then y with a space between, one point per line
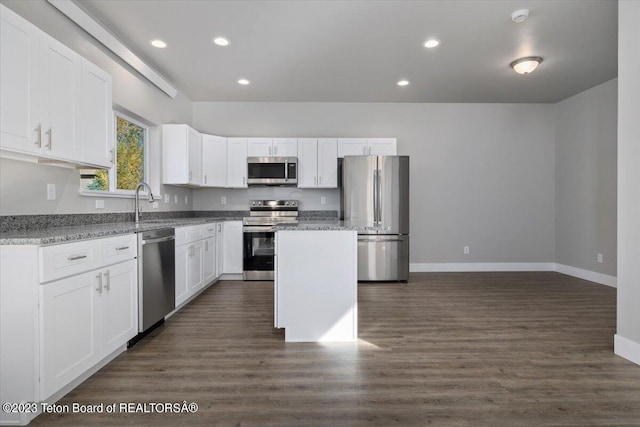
450 349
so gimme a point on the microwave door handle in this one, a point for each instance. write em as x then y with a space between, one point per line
286 170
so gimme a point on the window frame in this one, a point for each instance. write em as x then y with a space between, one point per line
113 191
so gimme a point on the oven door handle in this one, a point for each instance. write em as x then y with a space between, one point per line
258 229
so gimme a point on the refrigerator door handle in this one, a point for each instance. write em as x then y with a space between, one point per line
375 196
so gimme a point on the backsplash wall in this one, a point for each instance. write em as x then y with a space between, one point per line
238 199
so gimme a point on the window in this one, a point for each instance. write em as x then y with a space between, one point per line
129 163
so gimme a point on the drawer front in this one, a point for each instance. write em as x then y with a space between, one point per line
71 258
117 249
208 230
188 234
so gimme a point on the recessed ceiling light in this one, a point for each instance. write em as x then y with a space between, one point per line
403 82
431 43
243 81
158 43
221 41
520 15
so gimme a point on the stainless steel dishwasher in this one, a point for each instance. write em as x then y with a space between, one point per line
156 276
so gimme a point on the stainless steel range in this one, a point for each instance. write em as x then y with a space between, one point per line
259 235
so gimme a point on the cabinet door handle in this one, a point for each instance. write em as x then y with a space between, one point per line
76 257
112 156
244 180
99 287
210 229
190 175
320 181
122 248
206 245
205 178
48 133
315 180
38 142
107 275
269 150
275 150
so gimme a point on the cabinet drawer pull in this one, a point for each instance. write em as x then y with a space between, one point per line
107 276
99 287
122 248
49 133
76 257
210 229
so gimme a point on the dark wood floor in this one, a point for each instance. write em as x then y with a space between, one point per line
454 349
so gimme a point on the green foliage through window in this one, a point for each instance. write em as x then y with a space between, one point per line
129 167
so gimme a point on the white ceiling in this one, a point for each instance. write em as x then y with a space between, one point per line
356 51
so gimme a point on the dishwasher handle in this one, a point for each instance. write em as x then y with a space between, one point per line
158 240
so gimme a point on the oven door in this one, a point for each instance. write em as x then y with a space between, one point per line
258 252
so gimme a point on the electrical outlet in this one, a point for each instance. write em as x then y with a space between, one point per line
51 191
167 198
323 200
465 250
99 204
186 200
175 199
600 258
223 200
155 205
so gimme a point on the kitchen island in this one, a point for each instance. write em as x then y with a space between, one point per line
316 278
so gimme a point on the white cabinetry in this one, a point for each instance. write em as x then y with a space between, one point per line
54 105
84 318
196 260
272 147
214 161
232 244
97 116
367 147
65 310
181 155
318 163
237 163
219 249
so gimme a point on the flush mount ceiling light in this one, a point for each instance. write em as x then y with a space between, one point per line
403 82
526 65
431 43
243 82
221 41
158 43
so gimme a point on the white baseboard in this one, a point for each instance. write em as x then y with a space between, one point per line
603 279
626 348
481 266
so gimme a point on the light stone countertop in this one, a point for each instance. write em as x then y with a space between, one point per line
325 225
54 235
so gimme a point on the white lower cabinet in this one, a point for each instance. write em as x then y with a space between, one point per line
182 280
209 260
194 267
83 319
219 248
232 244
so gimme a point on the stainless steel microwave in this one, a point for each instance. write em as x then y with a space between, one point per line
272 171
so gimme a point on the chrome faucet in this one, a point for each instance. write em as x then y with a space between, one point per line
137 207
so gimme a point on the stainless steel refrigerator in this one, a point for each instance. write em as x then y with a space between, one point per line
375 192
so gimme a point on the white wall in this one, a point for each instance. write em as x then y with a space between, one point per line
482 175
23 185
586 159
627 341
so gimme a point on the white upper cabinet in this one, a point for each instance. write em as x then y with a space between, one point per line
19 80
317 163
237 162
53 104
181 155
97 116
382 146
214 161
307 162
327 163
367 147
61 85
272 147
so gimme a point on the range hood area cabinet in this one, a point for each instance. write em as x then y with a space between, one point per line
272 147
317 163
55 106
